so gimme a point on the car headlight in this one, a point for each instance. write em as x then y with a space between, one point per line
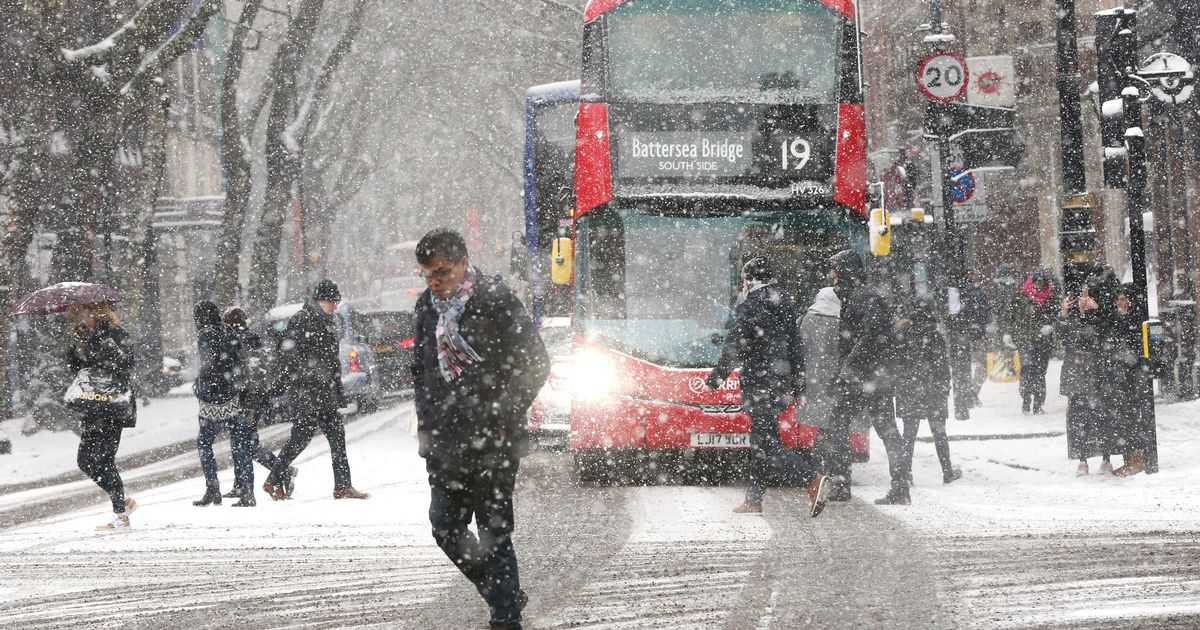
591 375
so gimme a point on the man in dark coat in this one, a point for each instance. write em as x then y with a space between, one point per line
965 328
311 374
863 377
765 343
478 363
922 383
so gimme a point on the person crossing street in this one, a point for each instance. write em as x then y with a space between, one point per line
478 363
310 374
764 341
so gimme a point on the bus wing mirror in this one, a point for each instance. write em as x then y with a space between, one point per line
562 261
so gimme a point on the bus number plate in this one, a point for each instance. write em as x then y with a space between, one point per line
720 440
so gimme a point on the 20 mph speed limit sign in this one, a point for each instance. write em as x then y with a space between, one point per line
942 76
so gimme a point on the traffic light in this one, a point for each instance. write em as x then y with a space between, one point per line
1115 59
880 224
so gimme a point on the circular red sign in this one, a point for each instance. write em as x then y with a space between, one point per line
942 76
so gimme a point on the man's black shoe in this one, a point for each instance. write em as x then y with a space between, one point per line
840 490
962 414
895 496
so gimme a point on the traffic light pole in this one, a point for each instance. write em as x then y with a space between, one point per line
1135 142
955 247
1077 238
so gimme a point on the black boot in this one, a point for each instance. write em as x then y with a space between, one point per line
839 489
212 496
953 475
247 499
896 496
1039 399
234 494
1025 403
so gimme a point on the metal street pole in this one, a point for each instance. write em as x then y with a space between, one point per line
1077 237
952 238
1185 301
1135 142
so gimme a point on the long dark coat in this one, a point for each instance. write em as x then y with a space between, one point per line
922 370
217 381
483 410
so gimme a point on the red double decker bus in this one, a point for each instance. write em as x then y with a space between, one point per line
708 132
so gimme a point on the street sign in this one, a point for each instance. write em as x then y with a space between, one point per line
1171 75
967 191
992 81
942 76
990 149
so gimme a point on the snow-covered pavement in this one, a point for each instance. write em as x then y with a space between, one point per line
1019 542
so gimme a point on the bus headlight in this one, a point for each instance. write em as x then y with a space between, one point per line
592 375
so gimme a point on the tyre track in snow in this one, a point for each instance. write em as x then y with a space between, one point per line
852 567
564 533
1087 580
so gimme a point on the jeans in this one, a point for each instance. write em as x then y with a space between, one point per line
97 458
767 450
881 410
242 439
303 429
1034 361
941 443
479 489
961 351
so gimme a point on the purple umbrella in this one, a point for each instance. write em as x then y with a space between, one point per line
57 298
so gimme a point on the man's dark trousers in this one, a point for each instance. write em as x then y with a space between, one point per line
767 450
479 487
303 429
961 353
880 408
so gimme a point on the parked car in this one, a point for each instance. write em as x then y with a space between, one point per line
360 377
389 334
550 414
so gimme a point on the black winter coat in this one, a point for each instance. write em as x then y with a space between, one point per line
252 385
974 313
107 350
309 369
217 381
866 351
922 371
765 342
483 410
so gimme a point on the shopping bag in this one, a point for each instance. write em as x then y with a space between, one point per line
94 391
1004 367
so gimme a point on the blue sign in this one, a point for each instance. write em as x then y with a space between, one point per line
961 188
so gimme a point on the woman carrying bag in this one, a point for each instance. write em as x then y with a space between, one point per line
102 361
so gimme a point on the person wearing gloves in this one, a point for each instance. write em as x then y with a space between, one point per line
1028 327
764 343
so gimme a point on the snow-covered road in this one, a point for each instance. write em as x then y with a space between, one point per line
1019 542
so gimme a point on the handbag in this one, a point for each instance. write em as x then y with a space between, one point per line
96 392
1004 366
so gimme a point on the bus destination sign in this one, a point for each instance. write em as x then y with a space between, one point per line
684 154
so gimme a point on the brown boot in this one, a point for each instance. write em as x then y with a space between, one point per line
818 494
1135 463
275 492
349 493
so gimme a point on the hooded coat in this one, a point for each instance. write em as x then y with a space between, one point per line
482 411
819 340
922 375
217 381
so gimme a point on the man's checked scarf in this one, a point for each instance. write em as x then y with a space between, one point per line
454 353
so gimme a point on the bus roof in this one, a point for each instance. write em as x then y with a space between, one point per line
562 91
596 8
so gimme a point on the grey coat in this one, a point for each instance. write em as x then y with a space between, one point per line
820 334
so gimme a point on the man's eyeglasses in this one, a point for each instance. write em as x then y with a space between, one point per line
441 273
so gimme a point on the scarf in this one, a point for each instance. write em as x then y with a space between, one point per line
1037 297
454 353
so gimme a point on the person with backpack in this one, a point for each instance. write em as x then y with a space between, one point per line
216 389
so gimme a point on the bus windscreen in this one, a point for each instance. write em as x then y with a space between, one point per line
766 50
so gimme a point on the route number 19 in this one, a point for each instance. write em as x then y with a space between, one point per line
795 152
